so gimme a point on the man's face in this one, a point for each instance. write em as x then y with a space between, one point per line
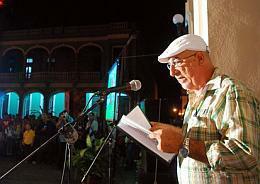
64 115
91 117
186 69
27 126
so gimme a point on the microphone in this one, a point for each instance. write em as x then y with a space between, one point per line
133 85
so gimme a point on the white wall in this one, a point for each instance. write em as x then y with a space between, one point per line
234 39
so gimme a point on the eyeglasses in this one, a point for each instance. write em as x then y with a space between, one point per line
179 62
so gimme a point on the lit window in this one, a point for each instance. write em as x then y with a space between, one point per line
29 60
28 72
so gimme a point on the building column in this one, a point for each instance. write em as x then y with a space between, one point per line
76 102
21 101
46 102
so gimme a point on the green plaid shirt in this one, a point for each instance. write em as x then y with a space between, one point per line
226 117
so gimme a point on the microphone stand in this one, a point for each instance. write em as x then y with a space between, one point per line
28 156
97 155
67 154
102 94
68 144
33 152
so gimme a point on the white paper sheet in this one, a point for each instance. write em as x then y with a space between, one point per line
136 125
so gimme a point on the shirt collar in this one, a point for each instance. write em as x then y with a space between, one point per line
215 81
213 84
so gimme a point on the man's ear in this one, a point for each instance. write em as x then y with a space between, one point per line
200 57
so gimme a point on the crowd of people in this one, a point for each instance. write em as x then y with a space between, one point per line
20 136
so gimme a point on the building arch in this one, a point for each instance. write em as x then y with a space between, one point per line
13 48
33 91
63 59
10 90
64 45
39 59
90 44
12 61
36 47
90 58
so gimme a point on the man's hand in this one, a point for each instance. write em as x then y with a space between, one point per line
169 137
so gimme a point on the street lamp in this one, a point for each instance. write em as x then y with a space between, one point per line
178 20
1 3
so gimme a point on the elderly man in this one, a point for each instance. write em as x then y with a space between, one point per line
219 141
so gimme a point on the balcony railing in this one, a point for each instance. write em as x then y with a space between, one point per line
61 77
56 32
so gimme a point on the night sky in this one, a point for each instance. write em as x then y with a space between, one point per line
152 18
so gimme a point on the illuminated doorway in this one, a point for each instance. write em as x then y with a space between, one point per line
57 103
33 104
9 103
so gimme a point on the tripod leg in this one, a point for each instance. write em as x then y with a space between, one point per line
100 149
64 164
69 161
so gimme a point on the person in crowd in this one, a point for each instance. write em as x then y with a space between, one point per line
18 134
132 153
10 137
64 118
2 138
92 128
45 130
28 140
81 142
219 139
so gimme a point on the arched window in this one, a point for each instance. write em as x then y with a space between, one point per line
89 59
37 59
12 61
28 68
63 59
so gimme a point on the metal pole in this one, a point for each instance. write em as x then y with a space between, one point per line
101 148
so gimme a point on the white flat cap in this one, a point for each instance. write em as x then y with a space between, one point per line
185 42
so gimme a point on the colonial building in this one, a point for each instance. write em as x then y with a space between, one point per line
41 63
